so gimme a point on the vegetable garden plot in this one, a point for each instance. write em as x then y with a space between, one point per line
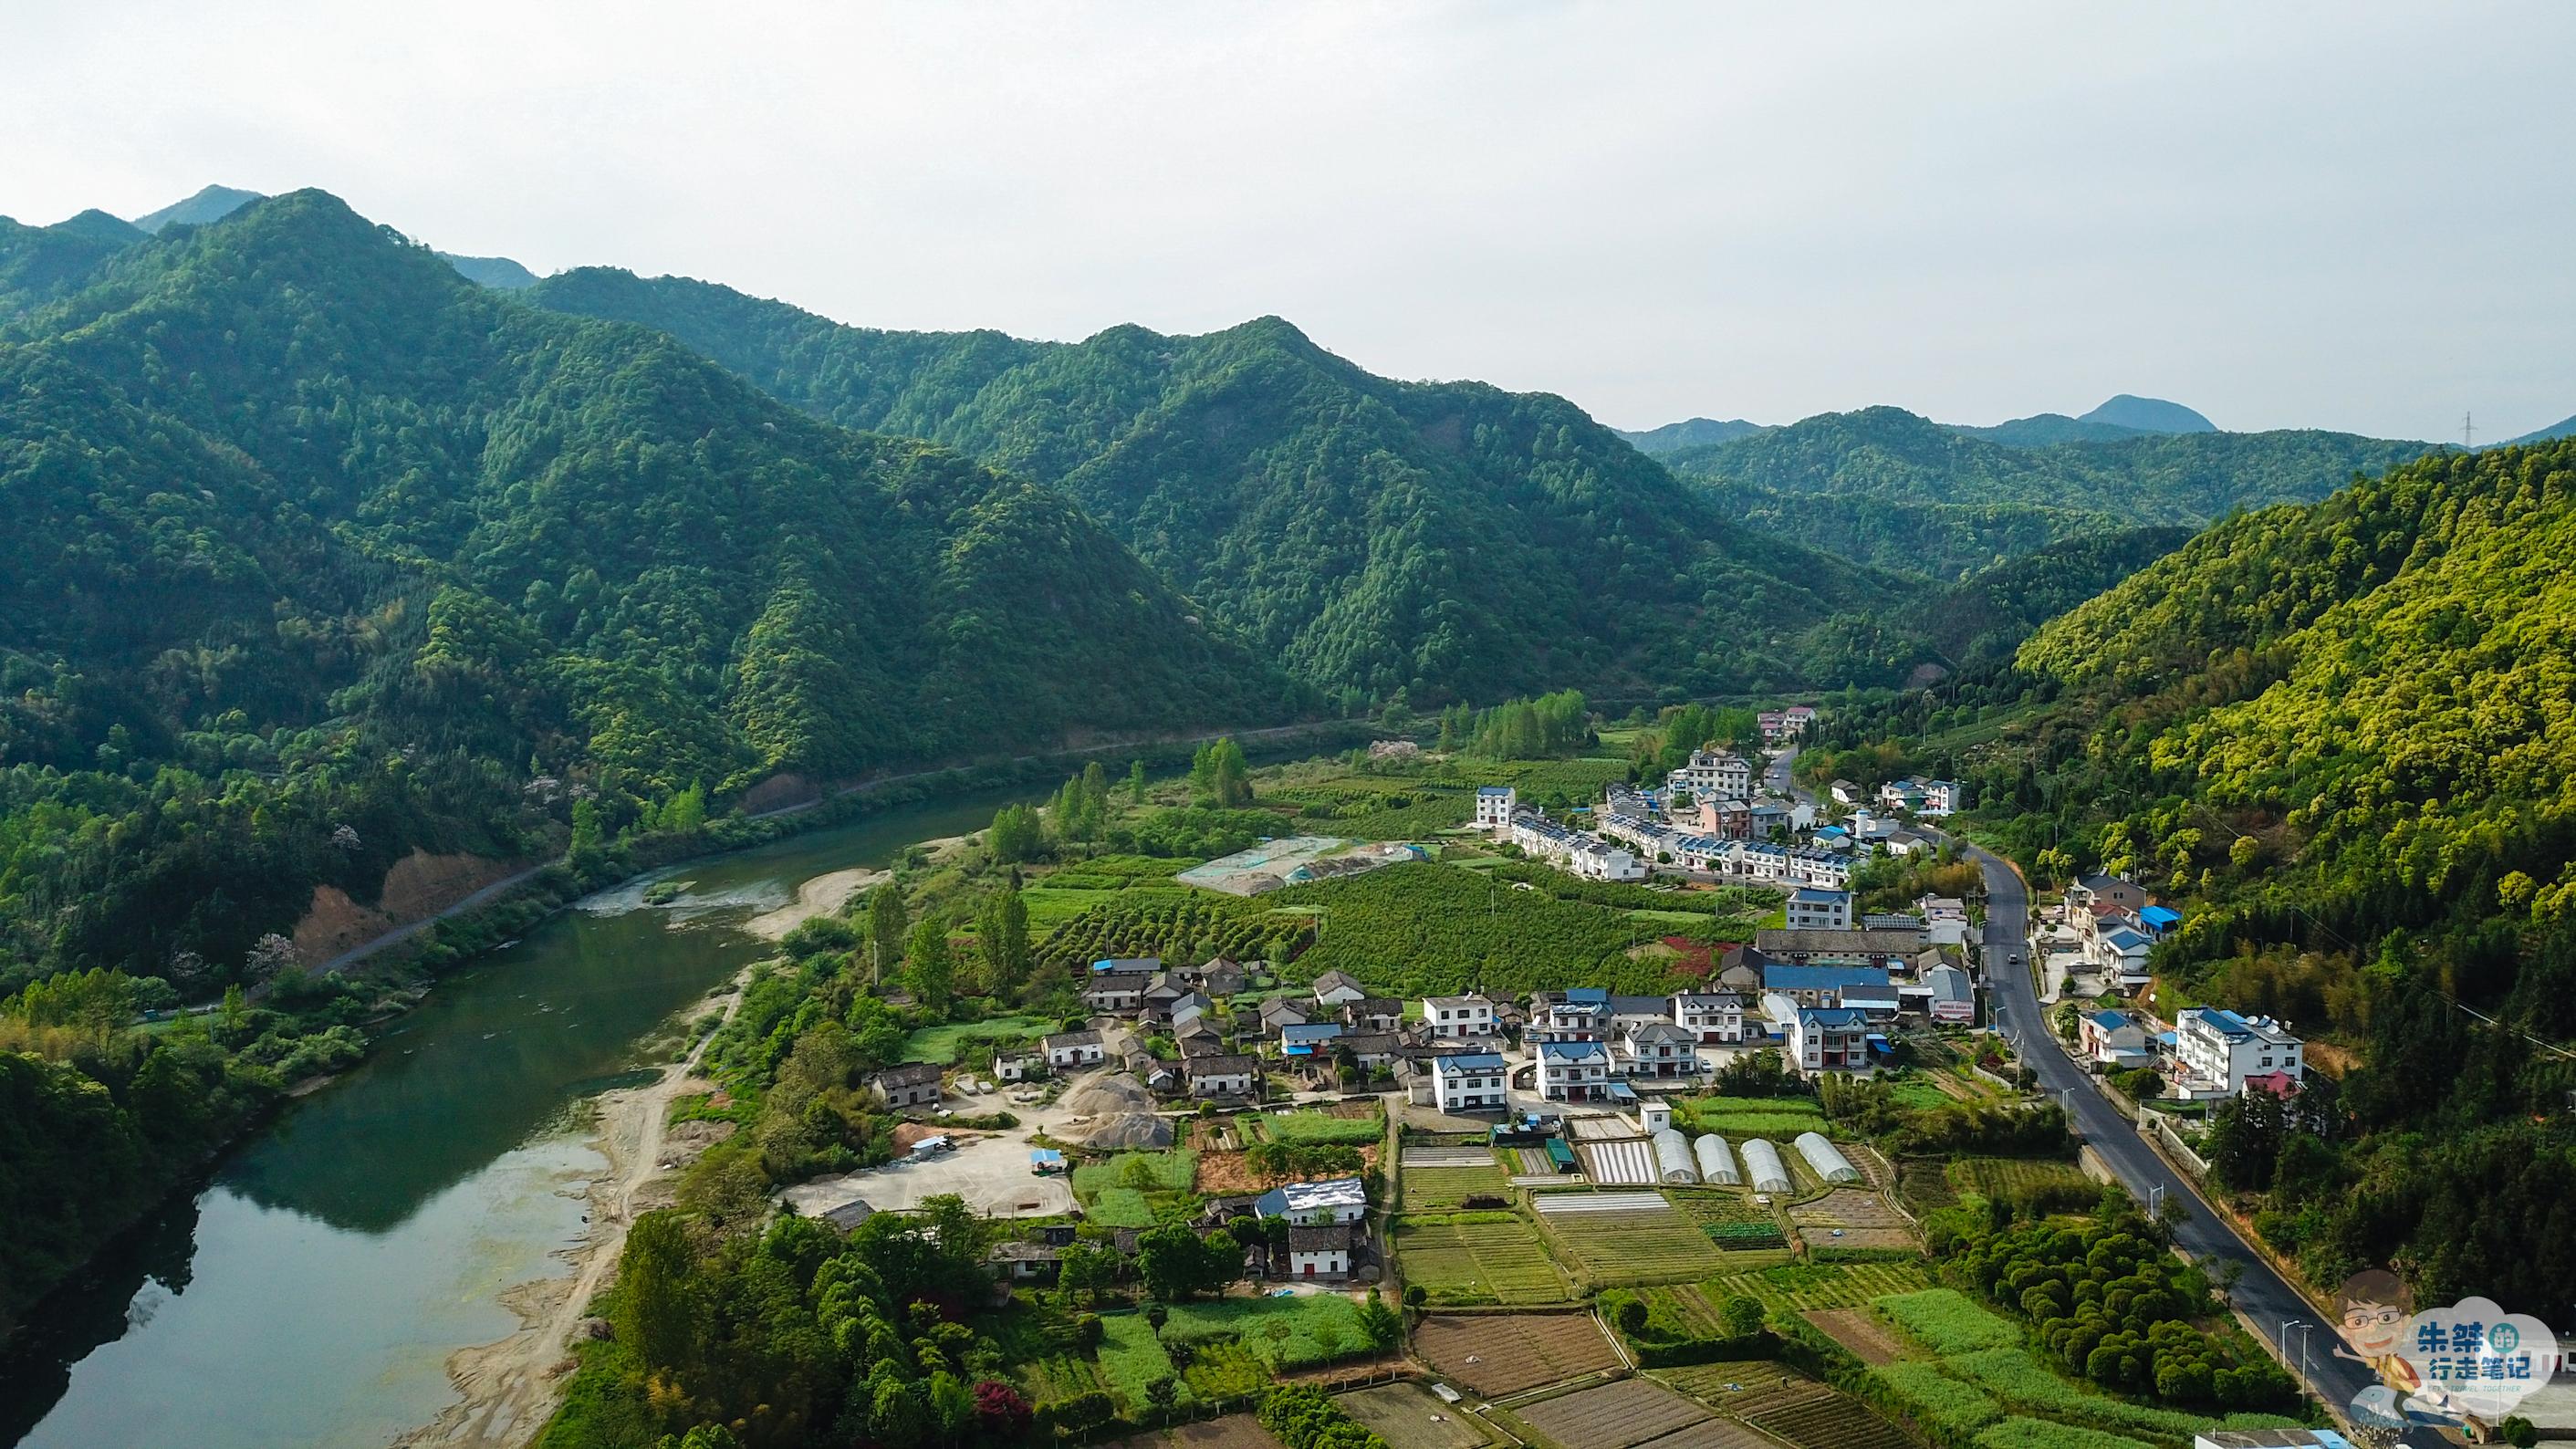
1477 1258
1613 1416
1439 1189
1832 1422
1625 1237
1410 1416
1446 1157
1732 1220
1798 1287
1710 1434
1619 1164
1851 1217
1867 1335
1493 1354
1744 1387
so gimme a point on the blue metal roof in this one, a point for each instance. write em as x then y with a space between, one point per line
2160 916
1588 996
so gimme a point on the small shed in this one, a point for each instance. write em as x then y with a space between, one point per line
1762 1164
1673 1158
1716 1163
1826 1159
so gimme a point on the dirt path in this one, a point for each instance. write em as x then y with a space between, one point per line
510 1387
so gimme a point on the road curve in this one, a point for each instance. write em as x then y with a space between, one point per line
2205 1237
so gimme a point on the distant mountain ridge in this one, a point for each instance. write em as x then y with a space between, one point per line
214 203
2563 428
1695 433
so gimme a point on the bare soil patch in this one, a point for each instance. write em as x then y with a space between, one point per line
1613 1416
1409 1416
1494 1353
1860 1331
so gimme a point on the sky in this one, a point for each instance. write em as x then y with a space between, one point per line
2353 216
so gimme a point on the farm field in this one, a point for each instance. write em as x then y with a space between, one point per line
1410 1416
1445 1189
1357 1125
1629 1163
1682 1310
1514 1351
1306 1331
1736 1118
1924 1183
1625 1238
1851 1217
1947 1321
1744 1387
1863 1332
1477 1258
2018 1179
1232 1431
945 1043
1710 1434
1732 1220
1612 1416
1831 1422
1801 1287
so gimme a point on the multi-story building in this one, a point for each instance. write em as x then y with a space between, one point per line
1447 1017
1828 1039
1572 850
1319 1252
2218 1050
1574 1071
1581 1013
1814 909
1469 1082
1710 1016
1714 772
1658 1049
1494 807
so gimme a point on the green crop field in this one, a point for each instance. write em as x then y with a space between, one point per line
1733 1221
1305 1331
1798 1287
1474 1259
1443 1189
1682 1310
1121 1207
2057 1185
945 1044
1937 1399
2020 1433
1737 1118
1313 1125
1130 1357
1661 1245
1946 1321
1168 1171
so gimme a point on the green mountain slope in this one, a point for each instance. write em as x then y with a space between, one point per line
304 500
211 203
500 272
2148 415
2042 430
2340 737
1445 539
2564 427
41 263
1885 486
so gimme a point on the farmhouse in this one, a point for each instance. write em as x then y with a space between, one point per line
1884 950
1309 1035
1315 1204
1574 1071
2114 1038
1225 1076
912 1085
1658 1049
1018 1066
2219 1050
1075 1049
1457 1016
1710 1016
1114 993
1336 987
1373 1013
1812 908
1820 985
1468 1082
1494 807
1580 1013
1319 1252
1828 1039
2094 893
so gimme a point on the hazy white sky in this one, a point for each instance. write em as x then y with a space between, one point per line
2341 215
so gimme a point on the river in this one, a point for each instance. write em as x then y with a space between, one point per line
311 1292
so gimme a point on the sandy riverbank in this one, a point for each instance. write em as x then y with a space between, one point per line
820 896
509 1388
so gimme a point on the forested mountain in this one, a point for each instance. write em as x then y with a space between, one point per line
1445 539
2563 428
499 272
40 263
2148 415
1984 618
1887 487
2041 430
311 532
2340 737
1697 432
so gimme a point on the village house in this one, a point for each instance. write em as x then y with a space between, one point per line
1884 949
1571 850
1333 988
1114 993
2091 894
1371 1049
1658 1049
1811 909
1308 1036
1021 1262
1223 1076
1574 1071
1711 1017
1713 772
1821 985
1198 1038
1373 1013
1319 1252
2218 1050
1468 1082
1952 998
1907 843
1018 1066
913 1085
1075 1049
1494 807
1446 1017
1173 1010
1280 1011
1724 818
1780 726
1128 965
2114 1039
1847 793
1828 1039
1315 1204
1579 1013
1221 978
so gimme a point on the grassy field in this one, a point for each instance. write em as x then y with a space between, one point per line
1119 1193
1442 1189
1475 1259
2016 1179
1938 1399
1947 1321
1408 1416
1661 1245
1130 1357
946 1043
1280 1333
1312 1125
1798 1287
1737 1118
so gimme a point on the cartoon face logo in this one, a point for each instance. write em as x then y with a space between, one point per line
2375 1304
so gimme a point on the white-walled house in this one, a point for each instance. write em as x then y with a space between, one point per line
1574 1071
2219 1050
1075 1049
1319 1252
1334 988
1494 807
1714 772
1812 908
1658 1049
1223 1076
2114 1038
912 1085
1710 1016
1315 1204
1018 1066
1828 1039
1445 1017
1469 1082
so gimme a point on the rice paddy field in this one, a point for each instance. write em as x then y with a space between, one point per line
1473 1259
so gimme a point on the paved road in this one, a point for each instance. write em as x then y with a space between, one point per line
2205 1237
